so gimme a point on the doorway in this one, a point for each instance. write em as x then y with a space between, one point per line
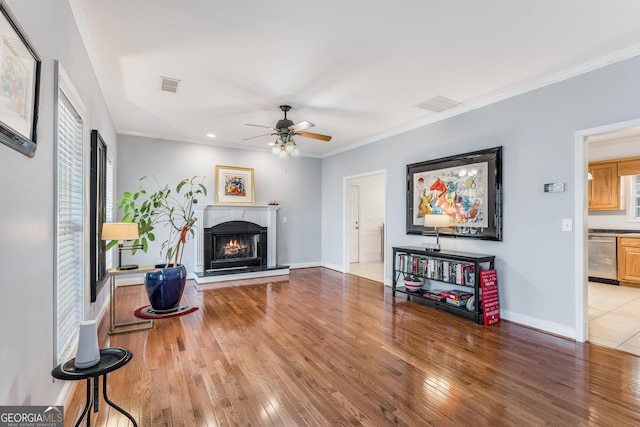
598 308
364 225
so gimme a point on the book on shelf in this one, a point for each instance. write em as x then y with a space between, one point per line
469 275
447 271
435 295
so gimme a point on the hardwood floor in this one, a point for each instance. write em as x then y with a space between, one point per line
331 349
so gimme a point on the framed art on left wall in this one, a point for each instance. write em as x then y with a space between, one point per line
19 86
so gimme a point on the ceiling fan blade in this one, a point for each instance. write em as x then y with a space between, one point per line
259 126
258 136
301 125
314 136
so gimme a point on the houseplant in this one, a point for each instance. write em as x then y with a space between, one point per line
172 208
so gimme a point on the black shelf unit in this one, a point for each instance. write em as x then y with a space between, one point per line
441 268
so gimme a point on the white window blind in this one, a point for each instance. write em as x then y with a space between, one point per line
70 201
109 207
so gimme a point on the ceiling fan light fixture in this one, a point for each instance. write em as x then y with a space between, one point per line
290 146
285 129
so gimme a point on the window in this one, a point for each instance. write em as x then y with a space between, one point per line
69 209
634 205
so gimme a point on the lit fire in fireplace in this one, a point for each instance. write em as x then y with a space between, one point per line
234 248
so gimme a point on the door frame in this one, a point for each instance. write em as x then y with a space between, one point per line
346 213
581 221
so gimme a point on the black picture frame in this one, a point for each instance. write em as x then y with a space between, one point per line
98 213
471 196
20 68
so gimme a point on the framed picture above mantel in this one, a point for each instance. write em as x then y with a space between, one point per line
19 86
234 185
466 189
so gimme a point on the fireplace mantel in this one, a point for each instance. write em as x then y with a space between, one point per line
211 215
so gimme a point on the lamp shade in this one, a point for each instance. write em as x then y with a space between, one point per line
119 231
436 220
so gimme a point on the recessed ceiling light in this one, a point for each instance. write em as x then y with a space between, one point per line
211 135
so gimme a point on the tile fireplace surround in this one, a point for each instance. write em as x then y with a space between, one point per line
212 215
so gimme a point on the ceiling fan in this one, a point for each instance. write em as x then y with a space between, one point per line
285 129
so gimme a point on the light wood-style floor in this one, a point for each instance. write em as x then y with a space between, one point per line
330 349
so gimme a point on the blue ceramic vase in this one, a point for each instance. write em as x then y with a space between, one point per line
165 287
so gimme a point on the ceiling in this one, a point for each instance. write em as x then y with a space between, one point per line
358 70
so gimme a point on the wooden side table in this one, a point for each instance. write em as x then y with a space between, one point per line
110 360
113 325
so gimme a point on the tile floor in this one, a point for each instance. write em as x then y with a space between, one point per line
371 270
614 316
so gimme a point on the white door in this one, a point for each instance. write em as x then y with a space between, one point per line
355 225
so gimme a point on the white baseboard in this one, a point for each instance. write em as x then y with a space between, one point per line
131 279
333 266
294 266
543 325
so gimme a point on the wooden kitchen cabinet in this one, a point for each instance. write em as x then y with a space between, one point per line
629 261
604 188
629 167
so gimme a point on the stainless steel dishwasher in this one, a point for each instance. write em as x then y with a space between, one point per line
603 259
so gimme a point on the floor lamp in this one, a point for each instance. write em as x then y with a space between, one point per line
121 231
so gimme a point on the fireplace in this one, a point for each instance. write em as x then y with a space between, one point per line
234 245
259 248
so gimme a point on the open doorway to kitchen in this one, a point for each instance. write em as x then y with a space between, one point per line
607 314
364 225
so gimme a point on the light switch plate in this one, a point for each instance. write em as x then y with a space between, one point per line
567 225
554 187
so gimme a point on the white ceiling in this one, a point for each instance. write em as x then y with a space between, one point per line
356 69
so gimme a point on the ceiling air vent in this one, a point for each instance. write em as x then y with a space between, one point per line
438 104
168 84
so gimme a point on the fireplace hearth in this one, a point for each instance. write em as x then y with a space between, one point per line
234 245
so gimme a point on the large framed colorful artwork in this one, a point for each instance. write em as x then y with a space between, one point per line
234 185
466 188
19 86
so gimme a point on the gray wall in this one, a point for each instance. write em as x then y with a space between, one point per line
535 261
294 182
26 210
